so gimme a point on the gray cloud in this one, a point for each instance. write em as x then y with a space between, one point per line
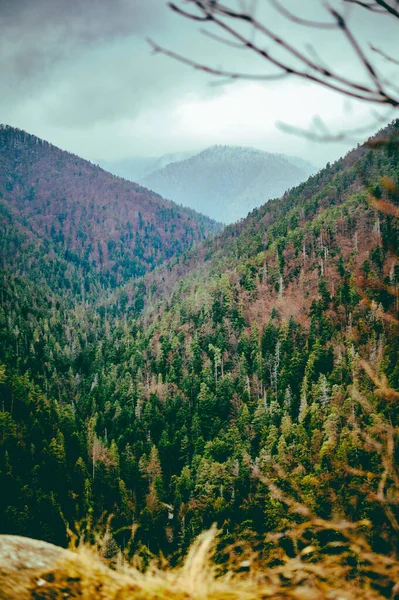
80 63
39 34
80 73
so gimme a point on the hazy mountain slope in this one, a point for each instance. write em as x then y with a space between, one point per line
92 218
135 169
226 182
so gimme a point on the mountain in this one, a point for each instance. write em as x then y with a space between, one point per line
251 381
135 169
227 182
283 242
96 220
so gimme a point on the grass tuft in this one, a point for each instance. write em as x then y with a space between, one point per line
85 576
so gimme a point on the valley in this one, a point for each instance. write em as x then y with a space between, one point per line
155 379
199 300
222 182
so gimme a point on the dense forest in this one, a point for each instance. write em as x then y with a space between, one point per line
152 395
101 224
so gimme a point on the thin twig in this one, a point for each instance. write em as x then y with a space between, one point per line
314 71
306 22
213 71
384 55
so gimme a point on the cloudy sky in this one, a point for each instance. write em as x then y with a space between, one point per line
81 74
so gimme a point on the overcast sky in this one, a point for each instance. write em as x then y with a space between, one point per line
80 74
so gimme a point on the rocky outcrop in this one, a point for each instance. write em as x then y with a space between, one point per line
34 570
23 562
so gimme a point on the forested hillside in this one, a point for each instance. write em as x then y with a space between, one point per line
90 218
267 354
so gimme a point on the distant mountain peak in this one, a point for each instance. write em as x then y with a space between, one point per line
227 182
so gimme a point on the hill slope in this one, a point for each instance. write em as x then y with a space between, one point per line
227 182
266 356
94 219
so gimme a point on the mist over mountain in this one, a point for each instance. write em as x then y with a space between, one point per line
227 182
137 168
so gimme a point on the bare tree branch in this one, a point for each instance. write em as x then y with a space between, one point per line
324 135
384 55
378 91
213 71
393 11
306 22
371 6
222 40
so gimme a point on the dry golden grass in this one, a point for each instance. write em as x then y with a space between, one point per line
86 577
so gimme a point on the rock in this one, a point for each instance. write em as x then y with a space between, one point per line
34 570
23 561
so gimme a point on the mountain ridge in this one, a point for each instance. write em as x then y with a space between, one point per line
226 182
100 220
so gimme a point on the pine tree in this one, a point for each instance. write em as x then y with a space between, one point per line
303 406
